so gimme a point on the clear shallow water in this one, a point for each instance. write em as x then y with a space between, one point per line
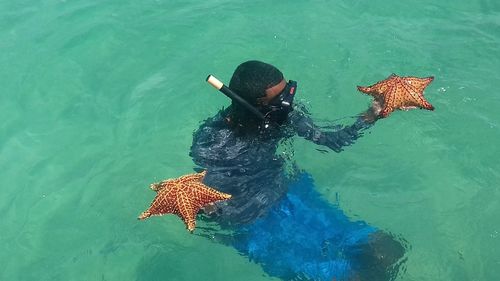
100 98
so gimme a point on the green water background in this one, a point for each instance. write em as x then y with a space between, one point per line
100 98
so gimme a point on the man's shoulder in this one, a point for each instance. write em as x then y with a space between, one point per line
214 123
212 128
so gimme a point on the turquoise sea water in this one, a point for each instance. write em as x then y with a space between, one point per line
100 98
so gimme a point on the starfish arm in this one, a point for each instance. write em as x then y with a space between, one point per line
160 185
378 87
402 96
384 86
187 210
427 105
192 177
155 186
419 83
421 88
205 195
415 98
144 215
163 203
414 95
365 90
371 92
388 102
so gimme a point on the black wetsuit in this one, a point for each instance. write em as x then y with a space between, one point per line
246 165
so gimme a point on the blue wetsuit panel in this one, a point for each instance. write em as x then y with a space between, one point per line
303 235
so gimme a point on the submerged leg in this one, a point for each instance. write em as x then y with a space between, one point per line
380 258
305 238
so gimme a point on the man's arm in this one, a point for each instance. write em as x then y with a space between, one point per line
335 140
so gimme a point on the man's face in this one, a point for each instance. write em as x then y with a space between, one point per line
272 92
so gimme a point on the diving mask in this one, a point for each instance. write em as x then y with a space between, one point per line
278 108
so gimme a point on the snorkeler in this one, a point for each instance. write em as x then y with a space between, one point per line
276 216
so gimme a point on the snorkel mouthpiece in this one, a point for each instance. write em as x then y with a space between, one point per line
217 84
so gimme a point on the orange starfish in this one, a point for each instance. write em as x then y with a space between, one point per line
397 92
184 197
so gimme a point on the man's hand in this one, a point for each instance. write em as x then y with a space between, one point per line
373 113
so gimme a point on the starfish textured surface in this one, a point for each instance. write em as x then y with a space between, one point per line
397 92
184 197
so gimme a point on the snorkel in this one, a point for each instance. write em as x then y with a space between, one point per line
276 111
217 84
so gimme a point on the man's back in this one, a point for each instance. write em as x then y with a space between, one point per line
244 166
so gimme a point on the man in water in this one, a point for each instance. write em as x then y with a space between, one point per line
277 217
